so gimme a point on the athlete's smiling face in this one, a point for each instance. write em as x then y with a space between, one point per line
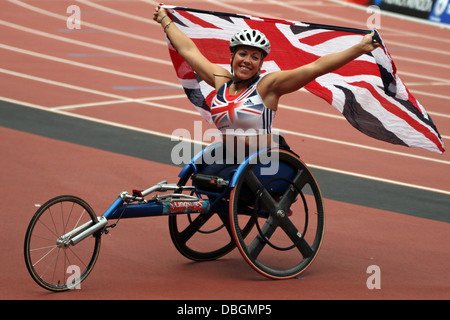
247 62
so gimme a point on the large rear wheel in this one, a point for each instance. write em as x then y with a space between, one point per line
289 216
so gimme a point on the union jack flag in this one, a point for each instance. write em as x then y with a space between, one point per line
367 91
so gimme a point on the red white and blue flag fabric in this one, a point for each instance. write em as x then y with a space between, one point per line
367 91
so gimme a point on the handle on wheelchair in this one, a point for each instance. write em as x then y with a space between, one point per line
154 188
164 186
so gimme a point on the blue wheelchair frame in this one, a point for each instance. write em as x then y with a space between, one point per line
122 208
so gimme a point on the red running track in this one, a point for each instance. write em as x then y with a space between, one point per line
84 72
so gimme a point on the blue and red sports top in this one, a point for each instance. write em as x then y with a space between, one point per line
241 114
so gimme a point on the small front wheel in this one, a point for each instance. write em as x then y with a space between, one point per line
53 263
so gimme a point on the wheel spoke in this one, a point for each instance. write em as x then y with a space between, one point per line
259 190
226 223
193 227
296 237
289 195
190 236
262 237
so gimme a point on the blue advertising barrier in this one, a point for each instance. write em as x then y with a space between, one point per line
436 11
412 8
440 12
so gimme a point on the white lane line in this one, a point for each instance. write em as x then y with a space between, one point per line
141 77
177 85
165 62
89 66
96 92
85 23
85 44
110 102
369 177
193 112
148 20
218 3
177 138
360 146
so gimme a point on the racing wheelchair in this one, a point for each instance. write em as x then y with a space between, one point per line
268 206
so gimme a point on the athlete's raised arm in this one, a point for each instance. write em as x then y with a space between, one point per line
189 51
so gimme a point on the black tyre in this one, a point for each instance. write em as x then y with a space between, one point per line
52 263
289 213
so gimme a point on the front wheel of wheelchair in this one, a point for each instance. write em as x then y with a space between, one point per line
289 215
53 264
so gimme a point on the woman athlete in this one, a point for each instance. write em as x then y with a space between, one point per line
244 86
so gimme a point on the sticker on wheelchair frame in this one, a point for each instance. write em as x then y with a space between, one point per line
175 207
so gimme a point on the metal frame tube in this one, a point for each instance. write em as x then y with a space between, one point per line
102 222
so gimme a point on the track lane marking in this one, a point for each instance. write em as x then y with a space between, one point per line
45 56
177 138
193 112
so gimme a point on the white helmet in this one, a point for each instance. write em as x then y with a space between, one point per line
252 38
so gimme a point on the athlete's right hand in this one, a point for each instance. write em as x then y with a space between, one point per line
159 14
